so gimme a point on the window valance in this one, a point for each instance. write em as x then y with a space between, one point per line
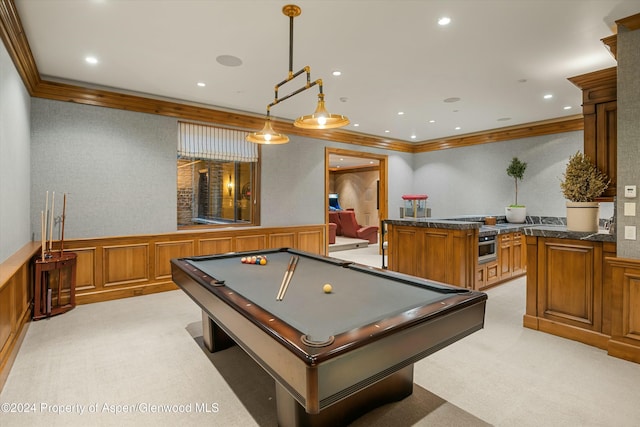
197 141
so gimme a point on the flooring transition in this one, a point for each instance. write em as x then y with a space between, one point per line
347 243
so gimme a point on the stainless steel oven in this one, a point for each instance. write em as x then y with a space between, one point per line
486 249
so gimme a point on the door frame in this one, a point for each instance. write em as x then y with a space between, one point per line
382 189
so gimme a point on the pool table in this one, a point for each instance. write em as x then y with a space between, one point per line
337 355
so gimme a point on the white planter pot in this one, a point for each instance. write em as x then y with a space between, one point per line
515 215
583 216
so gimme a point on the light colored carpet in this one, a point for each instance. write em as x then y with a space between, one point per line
142 353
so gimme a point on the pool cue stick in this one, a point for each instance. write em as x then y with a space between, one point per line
64 206
46 219
42 233
53 200
64 211
292 270
284 279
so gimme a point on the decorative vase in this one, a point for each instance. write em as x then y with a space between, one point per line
583 216
515 215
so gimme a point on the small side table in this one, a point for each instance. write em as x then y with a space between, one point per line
55 285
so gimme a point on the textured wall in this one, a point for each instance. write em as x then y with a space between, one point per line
118 169
473 180
628 135
358 190
15 229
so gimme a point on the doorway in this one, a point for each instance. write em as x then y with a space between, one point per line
361 177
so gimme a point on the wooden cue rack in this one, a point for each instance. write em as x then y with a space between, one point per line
55 284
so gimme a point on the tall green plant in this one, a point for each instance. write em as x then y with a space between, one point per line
516 171
583 181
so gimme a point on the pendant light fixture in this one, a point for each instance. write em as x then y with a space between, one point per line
320 119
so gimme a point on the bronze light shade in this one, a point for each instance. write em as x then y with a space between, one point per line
321 119
267 135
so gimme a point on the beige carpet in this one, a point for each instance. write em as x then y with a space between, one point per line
139 354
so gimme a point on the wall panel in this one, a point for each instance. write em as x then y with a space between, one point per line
120 267
126 264
165 251
220 245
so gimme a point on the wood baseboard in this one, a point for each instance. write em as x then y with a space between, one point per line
574 333
13 347
624 351
133 291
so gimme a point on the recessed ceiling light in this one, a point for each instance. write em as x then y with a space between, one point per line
400 113
567 107
413 137
91 60
356 124
548 96
201 84
432 121
387 131
458 128
445 20
337 73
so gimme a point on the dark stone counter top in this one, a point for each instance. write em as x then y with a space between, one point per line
434 223
561 232
534 226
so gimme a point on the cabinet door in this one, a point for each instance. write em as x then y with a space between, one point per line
481 277
493 273
570 282
404 250
505 255
518 252
606 143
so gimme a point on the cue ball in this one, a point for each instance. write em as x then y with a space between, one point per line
327 288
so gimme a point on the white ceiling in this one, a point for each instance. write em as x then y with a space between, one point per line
498 56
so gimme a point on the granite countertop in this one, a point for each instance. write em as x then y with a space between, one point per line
435 223
561 232
535 226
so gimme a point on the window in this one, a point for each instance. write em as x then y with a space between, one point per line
217 177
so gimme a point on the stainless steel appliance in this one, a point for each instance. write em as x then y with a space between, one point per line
486 249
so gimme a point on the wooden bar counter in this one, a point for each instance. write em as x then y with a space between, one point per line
578 289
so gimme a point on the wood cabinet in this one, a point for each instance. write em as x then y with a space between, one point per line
487 274
566 290
625 309
511 261
599 94
440 254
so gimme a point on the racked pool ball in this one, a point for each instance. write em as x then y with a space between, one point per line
327 288
243 260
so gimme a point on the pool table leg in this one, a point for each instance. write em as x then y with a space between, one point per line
393 388
213 337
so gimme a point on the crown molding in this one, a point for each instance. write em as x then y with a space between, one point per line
17 45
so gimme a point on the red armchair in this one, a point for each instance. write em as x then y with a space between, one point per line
334 218
332 233
351 228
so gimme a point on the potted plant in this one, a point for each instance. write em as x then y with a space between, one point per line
516 213
582 184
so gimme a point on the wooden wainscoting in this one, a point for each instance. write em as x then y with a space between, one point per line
16 294
119 267
625 309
